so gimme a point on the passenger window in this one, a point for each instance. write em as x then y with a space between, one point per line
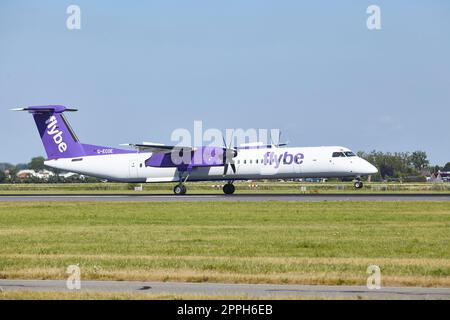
245 161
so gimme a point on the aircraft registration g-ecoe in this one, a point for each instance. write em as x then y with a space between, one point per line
161 163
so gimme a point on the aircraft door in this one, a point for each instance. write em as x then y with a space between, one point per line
133 168
338 162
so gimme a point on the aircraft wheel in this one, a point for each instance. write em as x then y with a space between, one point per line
179 189
228 188
358 184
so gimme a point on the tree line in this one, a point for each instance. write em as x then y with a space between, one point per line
402 166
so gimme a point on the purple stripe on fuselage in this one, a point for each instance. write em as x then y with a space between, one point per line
200 157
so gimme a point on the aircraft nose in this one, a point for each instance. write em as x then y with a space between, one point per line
370 168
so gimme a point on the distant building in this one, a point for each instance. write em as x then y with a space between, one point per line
445 176
26 174
67 175
439 177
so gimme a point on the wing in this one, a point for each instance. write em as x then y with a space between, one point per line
157 148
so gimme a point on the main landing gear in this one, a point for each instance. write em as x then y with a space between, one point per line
228 188
179 189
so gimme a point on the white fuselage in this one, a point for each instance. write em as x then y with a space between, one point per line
251 164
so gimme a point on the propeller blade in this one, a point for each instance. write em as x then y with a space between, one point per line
279 138
228 156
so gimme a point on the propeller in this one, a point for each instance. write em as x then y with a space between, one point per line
228 156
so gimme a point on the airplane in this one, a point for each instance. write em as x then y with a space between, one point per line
150 162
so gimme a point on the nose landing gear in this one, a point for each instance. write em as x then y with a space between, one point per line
358 184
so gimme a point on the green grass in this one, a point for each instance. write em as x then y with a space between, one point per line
215 188
260 242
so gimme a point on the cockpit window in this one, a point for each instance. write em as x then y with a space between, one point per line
338 154
350 154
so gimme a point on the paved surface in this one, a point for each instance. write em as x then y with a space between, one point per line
235 197
211 289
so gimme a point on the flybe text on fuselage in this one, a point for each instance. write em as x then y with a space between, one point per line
285 158
52 126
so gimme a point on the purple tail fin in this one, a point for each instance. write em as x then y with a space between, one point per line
58 137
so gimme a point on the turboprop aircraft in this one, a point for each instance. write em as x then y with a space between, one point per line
150 162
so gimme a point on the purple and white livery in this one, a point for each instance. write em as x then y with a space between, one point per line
162 163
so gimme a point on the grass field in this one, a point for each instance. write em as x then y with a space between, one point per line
215 187
261 242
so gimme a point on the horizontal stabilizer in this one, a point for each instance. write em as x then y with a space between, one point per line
50 108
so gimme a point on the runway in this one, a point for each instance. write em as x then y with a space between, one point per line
220 197
218 289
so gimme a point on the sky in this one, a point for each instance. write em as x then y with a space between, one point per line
139 70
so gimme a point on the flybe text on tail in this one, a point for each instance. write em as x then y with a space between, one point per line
52 130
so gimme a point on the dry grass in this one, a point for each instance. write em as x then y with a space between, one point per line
33 295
